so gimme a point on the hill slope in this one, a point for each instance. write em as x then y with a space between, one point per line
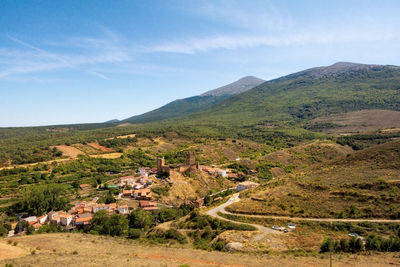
308 94
194 104
363 184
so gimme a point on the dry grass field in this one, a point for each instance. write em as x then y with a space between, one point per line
190 188
107 156
361 121
123 136
69 151
90 250
329 189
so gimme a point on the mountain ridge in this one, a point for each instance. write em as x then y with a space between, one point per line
310 93
190 105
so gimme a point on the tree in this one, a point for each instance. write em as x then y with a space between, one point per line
115 225
141 219
40 199
3 231
355 244
343 245
118 225
327 245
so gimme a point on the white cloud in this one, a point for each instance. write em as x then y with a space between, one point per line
316 37
88 51
252 15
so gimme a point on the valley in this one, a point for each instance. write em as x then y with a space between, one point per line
252 173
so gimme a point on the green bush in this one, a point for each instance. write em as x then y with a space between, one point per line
134 233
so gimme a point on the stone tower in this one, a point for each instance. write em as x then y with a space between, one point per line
190 158
160 164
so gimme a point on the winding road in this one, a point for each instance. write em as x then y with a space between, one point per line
221 208
235 198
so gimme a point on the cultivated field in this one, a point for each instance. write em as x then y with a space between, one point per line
107 156
69 151
90 250
100 147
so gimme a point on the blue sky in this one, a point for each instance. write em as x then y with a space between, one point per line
90 61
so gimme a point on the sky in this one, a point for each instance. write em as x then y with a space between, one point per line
66 62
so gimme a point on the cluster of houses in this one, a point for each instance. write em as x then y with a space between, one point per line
136 187
79 215
83 212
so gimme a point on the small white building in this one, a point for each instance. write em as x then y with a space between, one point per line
222 173
99 207
31 219
123 209
66 219
42 219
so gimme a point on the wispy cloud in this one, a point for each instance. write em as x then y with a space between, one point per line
194 45
89 51
252 15
98 74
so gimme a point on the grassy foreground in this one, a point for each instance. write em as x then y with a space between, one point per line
90 250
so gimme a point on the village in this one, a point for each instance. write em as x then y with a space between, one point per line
135 187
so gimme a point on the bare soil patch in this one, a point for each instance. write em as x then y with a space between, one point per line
100 147
123 136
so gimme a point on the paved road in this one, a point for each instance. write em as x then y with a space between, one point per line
221 208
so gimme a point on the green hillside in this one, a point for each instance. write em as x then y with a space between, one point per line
178 108
190 105
302 96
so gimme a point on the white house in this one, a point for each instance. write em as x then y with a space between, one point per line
42 219
66 219
123 209
222 173
97 208
31 219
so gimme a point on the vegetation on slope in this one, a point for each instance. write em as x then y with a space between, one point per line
363 184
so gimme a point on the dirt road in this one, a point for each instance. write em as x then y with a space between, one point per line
236 198
221 208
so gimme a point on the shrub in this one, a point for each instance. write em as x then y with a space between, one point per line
134 233
327 245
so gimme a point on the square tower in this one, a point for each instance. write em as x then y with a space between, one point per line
190 158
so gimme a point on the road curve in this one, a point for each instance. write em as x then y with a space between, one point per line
221 208
235 198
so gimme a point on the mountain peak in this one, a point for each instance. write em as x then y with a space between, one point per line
242 85
342 67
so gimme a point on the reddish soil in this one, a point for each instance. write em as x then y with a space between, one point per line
100 147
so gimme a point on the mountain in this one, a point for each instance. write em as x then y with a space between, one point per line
302 96
112 121
190 105
240 86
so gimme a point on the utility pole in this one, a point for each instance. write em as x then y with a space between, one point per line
330 250
19 223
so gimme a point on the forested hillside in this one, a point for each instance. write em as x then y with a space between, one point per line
190 105
299 97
